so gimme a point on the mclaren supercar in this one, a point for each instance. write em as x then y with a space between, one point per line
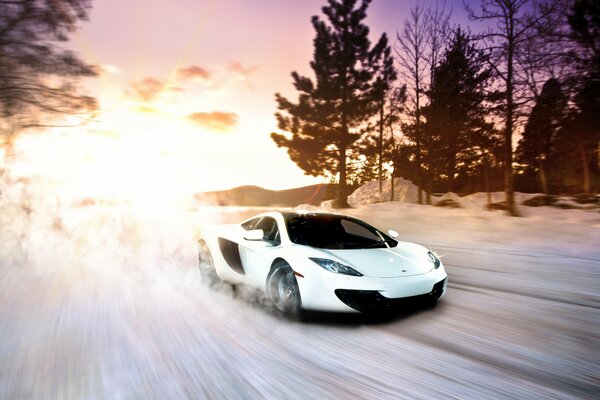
321 261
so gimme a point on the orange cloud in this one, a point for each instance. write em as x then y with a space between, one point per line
241 73
240 70
193 71
149 88
216 120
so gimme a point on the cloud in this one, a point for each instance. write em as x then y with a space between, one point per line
193 72
240 70
109 69
240 73
218 80
217 120
149 88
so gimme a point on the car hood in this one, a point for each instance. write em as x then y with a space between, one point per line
405 259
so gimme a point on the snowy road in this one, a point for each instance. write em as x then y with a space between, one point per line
121 313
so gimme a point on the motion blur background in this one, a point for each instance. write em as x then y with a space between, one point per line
115 119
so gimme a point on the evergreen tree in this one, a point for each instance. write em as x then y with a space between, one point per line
535 145
332 111
455 115
584 124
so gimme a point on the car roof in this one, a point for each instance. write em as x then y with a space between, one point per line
294 213
287 214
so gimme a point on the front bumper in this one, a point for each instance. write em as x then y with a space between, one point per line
325 291
373 300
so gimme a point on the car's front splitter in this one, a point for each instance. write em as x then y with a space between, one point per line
373 301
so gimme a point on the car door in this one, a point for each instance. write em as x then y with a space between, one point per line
256 255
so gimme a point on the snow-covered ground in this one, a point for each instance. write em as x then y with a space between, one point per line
102 299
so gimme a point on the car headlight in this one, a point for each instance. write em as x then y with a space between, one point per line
434 260
335 267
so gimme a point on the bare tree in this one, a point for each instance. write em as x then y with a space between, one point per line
512 25
383 99
438 36
439 31
541 55
396 102
411 51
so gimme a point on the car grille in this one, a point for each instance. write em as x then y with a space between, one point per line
372 300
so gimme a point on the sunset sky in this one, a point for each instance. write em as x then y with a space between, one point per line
186 88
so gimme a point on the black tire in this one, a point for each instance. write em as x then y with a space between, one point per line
283 291
206 265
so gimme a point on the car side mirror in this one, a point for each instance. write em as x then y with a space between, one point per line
392 233
254 234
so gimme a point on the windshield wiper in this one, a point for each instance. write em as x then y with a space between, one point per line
383 241
374 244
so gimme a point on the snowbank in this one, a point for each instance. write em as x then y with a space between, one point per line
104 300
404 192
449 200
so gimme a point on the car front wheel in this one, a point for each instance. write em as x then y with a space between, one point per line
282 289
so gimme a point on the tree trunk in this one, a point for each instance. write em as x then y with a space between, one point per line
508 156
342 200
380 148
486 174
542 175
418 143
585 167
452 167
392 184
599 154
429 185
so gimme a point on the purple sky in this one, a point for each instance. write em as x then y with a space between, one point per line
203 74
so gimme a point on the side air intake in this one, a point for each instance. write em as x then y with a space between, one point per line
231 253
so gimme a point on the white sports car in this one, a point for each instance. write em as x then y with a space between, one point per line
320 261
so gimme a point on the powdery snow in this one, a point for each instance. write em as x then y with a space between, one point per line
404 192
103 300
448 200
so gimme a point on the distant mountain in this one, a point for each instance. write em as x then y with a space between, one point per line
260 197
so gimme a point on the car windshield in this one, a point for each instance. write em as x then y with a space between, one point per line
330 231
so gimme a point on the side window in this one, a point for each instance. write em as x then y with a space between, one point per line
355 229
270 229
249 225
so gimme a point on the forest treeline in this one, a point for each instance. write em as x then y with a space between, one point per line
509 102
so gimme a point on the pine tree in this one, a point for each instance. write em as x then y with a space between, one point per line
332 111
455 114
584 123
535 145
